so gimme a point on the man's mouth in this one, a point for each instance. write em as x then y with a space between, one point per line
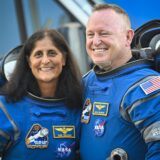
99 50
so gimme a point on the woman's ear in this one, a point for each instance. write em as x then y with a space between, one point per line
27 58
64 61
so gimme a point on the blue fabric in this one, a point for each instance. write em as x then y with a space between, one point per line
111 89
23 122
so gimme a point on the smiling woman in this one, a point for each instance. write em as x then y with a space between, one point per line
46 63
40 108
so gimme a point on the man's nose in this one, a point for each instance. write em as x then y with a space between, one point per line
96 40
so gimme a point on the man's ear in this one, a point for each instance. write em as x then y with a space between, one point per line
130 35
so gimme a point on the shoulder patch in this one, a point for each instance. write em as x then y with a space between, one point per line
151 85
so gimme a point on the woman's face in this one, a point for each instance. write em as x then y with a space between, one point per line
46 62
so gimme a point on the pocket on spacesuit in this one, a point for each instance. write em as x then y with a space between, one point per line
49 113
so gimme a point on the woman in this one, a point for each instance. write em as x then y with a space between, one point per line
40 109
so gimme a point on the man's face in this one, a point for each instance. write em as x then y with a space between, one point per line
106 38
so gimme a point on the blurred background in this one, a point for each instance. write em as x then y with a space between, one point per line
20 18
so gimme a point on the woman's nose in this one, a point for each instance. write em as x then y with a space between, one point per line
45 59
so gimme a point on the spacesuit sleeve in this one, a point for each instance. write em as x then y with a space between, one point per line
7 129
143 109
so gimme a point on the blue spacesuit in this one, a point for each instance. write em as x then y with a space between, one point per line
38 128
121 113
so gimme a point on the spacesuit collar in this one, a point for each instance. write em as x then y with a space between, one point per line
100 72
32 96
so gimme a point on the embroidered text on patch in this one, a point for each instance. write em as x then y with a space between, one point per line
64 131
37 137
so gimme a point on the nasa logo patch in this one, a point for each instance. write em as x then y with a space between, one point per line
99 127
64 150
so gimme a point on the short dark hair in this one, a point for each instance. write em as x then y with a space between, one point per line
22 79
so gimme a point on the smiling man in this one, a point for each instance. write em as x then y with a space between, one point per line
124 116
105 40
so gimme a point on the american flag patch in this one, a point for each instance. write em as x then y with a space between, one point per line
151 85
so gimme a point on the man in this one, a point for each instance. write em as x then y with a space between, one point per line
123 121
